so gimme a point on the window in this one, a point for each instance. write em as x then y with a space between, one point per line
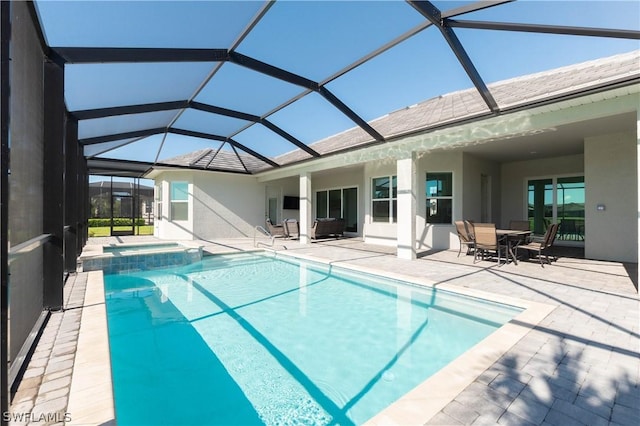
158 193
179 201
384 199
439 198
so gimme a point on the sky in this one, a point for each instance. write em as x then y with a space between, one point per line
314 39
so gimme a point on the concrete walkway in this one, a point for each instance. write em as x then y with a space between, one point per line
579 366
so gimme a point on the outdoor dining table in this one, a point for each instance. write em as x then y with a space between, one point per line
513 237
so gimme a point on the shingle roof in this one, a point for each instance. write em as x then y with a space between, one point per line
212 159
467 104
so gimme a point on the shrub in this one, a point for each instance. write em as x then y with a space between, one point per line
117 221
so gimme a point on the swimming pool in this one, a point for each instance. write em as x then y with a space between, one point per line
253 339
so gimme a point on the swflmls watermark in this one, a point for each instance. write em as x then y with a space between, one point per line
31 417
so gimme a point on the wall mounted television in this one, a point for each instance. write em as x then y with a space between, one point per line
291 203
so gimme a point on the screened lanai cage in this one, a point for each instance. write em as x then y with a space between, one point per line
120 206
116 89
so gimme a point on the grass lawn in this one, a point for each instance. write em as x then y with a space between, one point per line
105 231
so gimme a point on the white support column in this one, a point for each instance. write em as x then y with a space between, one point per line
305 207
407 187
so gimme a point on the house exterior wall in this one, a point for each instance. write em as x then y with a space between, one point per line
221 205
165 227
439 237
227 206
611 180
514 181
428 236
278 189
473 169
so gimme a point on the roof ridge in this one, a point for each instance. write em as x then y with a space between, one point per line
554 71
206 151
578 66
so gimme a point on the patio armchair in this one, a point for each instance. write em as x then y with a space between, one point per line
466 238
487 242
276 230
291 228
542 247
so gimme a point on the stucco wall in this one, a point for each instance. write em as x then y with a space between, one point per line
473 169
166 228
278 189
227 205
439 236
611 180
515 176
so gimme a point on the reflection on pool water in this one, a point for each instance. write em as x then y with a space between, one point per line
253 339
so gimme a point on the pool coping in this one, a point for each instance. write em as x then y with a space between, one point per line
91 393
91 397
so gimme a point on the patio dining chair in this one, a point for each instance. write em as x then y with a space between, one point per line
519 225
466 238
487 242
542 247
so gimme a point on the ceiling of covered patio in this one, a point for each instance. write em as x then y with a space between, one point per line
250 86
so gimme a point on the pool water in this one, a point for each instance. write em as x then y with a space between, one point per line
252 339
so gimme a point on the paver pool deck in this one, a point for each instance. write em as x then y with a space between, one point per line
579 366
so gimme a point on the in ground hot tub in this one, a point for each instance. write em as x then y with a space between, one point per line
124 258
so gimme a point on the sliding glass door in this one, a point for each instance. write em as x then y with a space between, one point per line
558 200
570 210
339 203
540 205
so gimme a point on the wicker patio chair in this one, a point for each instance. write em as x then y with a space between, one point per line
291 228
276 230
